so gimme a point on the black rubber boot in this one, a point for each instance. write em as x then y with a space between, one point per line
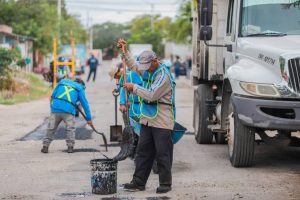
163 189
44 149
133 187
70 149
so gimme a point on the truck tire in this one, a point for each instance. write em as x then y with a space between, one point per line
203 134
241 141
220 138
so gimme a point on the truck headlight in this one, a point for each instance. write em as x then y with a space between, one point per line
265 90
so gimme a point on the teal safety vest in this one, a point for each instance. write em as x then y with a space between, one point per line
62 71
151 109
134 109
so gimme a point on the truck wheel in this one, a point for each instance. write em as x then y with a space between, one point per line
203 135
241 141
220 138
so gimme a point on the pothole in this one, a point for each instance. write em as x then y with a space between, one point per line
81 133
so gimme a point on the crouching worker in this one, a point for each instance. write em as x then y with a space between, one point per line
133 100
64 101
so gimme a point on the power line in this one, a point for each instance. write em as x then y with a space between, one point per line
120 2
107 9
114 5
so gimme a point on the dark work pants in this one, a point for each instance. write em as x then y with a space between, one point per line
94 71
154 143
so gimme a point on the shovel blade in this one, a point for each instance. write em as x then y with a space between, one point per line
116 133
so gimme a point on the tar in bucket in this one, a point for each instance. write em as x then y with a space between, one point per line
104 176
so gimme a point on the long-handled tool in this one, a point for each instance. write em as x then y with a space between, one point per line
116 130
127 135
126 145
92 126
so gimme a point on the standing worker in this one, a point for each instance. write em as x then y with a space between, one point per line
64 101
93 63
188 66
133 100
177 65
157 119
62 71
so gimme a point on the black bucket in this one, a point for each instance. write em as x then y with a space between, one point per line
104 176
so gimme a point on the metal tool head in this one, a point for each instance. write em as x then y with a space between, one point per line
115 133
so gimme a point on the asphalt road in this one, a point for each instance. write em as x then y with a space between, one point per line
199 171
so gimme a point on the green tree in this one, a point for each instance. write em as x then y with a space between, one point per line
7 57
106 34
142 33
181 29
38 19
71 26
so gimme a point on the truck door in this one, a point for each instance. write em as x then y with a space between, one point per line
231 34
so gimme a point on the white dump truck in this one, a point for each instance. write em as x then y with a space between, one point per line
246 73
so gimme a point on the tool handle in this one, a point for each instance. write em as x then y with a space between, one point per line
125 79
116 113
103 136
92 126
105 156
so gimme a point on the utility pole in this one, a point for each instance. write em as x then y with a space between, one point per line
151 14
91 37
152 17
89 28
59 18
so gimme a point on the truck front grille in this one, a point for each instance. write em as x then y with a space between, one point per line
294 74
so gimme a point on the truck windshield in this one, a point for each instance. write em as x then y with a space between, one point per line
270 18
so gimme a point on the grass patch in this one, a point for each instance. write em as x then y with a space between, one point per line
36 88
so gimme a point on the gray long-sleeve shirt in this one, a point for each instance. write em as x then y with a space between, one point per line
161 91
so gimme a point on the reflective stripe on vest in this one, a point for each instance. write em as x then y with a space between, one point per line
62 71
68 89
151 109
131 96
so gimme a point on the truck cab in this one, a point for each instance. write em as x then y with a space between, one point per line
246 73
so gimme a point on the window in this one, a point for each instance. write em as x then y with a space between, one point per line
230 17
270 17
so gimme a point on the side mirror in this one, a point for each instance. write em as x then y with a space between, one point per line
206 12
206 33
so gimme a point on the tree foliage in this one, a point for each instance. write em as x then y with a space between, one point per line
38 19
142 32
139 30
7 57
181 29
106 34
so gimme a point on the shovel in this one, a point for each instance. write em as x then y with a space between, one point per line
127 135
92 126
116 130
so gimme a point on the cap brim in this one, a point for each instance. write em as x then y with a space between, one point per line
112 73
144 67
